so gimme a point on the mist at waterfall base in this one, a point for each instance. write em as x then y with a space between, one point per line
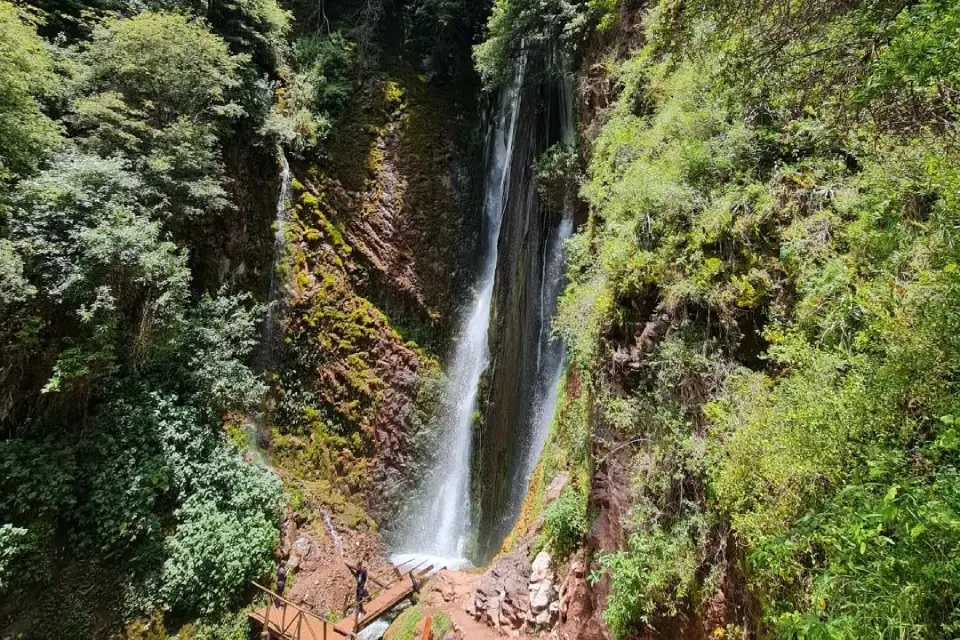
439 528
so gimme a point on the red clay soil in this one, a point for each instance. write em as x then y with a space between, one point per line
321 582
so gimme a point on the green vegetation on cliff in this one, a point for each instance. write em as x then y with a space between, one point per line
138 163
378 235
763 306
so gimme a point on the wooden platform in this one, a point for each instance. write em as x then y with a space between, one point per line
289 622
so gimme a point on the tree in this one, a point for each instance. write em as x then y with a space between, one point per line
26 75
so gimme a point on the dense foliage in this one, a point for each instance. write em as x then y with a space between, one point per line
139 149
119 492
536 28
778 180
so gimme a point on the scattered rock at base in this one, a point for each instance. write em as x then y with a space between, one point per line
544 604
516 594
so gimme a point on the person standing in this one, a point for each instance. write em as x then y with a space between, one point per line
360 574
281 582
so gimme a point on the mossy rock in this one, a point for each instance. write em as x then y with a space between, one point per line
405 626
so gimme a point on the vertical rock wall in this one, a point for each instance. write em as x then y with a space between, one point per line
515 323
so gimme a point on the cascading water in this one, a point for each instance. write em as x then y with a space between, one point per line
551 352
279 247
268 338
440 529
334 535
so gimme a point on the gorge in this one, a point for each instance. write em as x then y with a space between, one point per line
641 318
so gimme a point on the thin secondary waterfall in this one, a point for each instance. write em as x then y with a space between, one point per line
441 527
551 353
279 247
256 436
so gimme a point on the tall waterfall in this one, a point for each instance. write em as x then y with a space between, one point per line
551 353
441 527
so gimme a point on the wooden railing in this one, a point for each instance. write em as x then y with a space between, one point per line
297 624
349 601
288 621
415 584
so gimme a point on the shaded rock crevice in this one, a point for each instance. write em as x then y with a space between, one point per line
504 439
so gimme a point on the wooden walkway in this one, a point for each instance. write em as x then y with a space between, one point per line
390 597
290 622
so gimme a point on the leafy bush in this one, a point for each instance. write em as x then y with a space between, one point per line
534 26
655 574
26 75
13 543
316 92
163 64
566 521
556 175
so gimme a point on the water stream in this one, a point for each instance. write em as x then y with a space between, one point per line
439 531
255 427
334 535
279 247
551 353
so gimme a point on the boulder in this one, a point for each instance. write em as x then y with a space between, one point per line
515 594
542 590
502 599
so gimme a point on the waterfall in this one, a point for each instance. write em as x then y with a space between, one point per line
279 247
441 527
551 353
255 427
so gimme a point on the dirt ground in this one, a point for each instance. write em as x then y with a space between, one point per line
450 592
320 582
318 579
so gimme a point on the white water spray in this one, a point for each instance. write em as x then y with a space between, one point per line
334 535
439 531
375 630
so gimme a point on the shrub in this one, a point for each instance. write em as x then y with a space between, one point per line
566 521
655 575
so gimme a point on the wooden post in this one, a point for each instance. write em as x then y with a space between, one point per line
427 627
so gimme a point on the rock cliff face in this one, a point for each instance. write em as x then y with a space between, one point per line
381 236
506 405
